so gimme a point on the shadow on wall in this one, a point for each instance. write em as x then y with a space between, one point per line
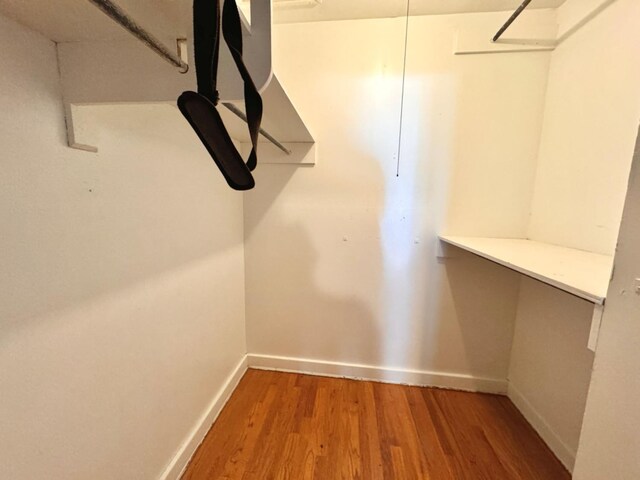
300 302
83 225
485 300
303 315
271 180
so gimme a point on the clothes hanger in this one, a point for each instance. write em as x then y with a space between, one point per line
199 108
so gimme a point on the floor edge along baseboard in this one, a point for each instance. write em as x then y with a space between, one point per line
324 368
421 378
180 460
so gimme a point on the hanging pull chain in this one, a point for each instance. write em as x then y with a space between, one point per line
404 75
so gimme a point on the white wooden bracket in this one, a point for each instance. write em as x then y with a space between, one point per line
596 320
445 251
183 53
534 30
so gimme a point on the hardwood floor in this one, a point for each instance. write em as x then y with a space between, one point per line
290 426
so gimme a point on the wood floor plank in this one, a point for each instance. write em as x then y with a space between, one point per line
437 465
281 426
473 448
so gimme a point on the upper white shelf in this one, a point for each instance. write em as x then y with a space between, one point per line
580 273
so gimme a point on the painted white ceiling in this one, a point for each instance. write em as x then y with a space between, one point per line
78 20
354 9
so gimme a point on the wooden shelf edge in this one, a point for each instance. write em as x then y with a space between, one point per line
590 296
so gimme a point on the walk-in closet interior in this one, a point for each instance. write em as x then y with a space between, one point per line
433 272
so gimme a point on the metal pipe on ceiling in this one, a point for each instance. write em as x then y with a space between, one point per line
511 19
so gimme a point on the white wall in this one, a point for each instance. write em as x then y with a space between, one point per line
591 114
121 292
341 258
610 439
121 281
590 123
550 365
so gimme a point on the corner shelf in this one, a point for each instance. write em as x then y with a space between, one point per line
580 273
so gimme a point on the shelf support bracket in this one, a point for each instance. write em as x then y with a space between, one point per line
596 320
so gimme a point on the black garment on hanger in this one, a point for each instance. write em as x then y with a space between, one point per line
200 108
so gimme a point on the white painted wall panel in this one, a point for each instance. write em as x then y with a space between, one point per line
591 114
341 258
550 365
610 438
121 281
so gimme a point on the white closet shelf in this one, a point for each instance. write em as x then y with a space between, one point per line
580 273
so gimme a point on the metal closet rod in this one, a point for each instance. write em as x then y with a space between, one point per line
512 18
121 17
240 114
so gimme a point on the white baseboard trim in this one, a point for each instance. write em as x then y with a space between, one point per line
181 459
564 453
379 374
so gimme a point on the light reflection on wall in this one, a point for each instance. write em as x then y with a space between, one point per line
414 205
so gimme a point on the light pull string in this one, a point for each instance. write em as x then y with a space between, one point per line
404 74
